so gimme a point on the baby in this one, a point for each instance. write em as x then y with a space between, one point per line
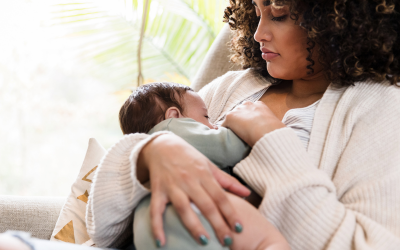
177 108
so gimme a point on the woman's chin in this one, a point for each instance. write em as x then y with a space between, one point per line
280 72
276 73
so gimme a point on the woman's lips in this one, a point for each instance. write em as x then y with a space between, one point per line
269 56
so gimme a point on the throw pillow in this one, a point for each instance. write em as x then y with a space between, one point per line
71 226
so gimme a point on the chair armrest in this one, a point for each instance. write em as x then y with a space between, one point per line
37 215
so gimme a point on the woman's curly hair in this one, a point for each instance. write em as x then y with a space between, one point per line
357 39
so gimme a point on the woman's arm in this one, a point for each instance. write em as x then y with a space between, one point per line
354 208
180 174
117 175
115 192
260 234
307 207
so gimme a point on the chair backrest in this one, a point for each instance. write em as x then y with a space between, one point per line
216 63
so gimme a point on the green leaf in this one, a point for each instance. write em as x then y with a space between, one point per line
177 37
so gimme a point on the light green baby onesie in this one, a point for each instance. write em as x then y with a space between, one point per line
224 149
221 146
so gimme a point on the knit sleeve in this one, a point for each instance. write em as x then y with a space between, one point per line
216 93
356 208
116 192
207 92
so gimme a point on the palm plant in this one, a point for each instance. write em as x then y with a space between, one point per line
177 34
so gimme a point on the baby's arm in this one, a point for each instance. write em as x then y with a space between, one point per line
221 146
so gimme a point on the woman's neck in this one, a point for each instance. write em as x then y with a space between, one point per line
291 94
309 87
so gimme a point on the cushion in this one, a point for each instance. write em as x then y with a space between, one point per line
71 226
216 63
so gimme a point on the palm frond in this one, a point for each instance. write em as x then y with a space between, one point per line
177 37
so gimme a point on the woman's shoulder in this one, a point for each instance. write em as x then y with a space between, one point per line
231 79
231 88
374 100
229 82
378 93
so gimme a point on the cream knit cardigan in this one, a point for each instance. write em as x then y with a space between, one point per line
343 193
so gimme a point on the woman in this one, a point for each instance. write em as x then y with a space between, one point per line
343 192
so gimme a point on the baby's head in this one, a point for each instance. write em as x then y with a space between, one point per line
152 103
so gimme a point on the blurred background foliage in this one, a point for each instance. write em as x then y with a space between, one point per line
178 34
67 66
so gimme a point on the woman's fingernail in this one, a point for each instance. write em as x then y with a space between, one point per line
203 240
227 241
158 243
238 227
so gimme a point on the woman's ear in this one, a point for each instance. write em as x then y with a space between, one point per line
173 112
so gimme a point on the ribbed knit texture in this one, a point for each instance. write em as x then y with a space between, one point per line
341 193
301 121
116 192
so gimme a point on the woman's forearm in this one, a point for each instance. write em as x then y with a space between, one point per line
115 192
311 212
142 172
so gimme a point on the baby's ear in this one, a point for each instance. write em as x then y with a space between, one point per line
173 112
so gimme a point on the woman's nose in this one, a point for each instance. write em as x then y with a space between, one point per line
263 33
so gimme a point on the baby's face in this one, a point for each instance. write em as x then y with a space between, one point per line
195 108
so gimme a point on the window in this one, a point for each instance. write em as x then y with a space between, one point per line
66 67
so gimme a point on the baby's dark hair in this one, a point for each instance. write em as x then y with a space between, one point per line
146 106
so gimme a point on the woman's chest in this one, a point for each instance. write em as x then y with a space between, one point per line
276 102
280 102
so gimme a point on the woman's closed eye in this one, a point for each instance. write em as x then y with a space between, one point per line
276 19
258 13
279 18
273 18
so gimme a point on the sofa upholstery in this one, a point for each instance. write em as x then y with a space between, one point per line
38 215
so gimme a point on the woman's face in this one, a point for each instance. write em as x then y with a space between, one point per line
283 42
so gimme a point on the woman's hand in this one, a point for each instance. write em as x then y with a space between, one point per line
180 174
260 234
251 121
